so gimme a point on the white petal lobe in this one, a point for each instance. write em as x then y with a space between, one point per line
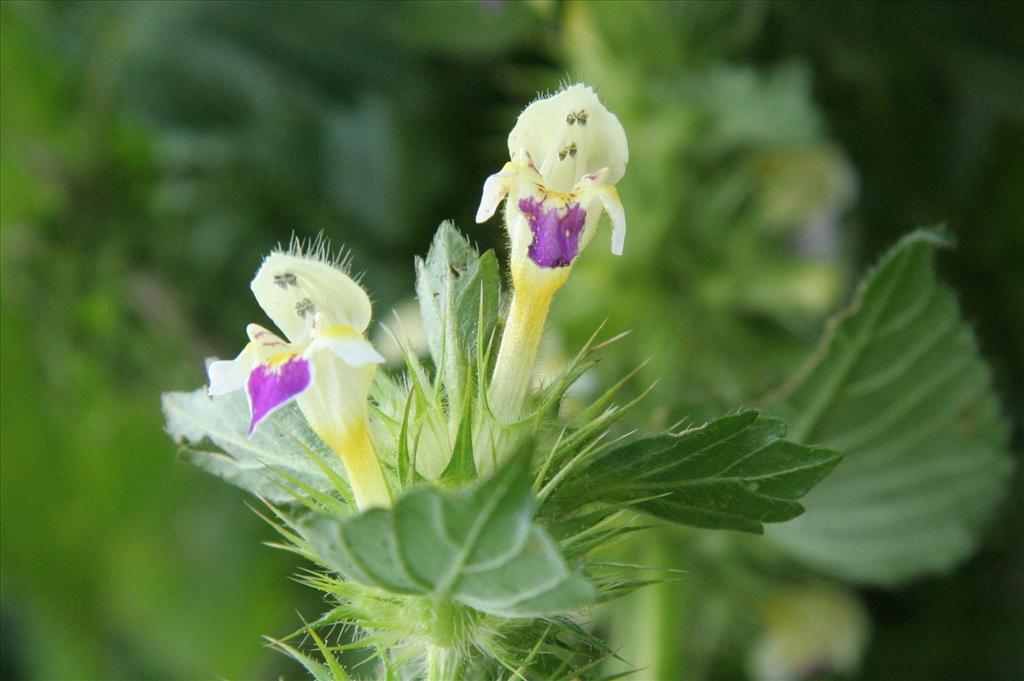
354 350
496 187
617 214
228 375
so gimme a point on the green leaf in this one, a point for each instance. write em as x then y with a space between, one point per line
213 432
899 388
733 473
338 672
406 467
318 671
456 289
461 467
480 548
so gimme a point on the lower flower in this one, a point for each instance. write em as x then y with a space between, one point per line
326 366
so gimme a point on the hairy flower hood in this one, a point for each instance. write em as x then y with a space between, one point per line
567 152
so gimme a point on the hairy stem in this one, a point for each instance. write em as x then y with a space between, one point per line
441 664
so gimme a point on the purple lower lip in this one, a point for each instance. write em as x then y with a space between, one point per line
270 387
556 237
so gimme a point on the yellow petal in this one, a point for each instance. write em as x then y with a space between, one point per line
267 345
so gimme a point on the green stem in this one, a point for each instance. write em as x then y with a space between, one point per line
664 605
651 626
442 660
441 664
434 664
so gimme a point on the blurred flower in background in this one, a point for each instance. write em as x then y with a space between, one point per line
153 151
808 633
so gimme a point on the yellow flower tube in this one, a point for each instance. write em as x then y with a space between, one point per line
567 152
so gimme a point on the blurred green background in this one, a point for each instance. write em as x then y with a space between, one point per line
151 153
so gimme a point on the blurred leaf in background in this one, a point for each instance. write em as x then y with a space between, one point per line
117 560
898 387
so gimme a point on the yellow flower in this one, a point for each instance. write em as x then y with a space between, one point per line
325 365
567 153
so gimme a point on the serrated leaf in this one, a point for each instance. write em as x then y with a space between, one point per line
457 289
213 432
899 388
736 473
480 548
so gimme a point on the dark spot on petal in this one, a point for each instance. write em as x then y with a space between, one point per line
286 279
304 307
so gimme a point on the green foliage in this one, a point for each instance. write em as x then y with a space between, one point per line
899 388
736 472
459 294
281 453
480 548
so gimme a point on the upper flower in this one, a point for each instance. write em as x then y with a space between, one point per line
567 152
